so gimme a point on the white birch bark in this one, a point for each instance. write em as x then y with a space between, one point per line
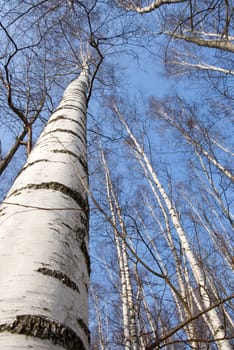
44 263
221 241
125 313
215 324
131 308
130 6
213 191
225 45
184 309
203 66
167 234
210 158
142 296
101 337
129 314
223 148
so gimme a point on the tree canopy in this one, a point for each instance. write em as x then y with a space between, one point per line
160 155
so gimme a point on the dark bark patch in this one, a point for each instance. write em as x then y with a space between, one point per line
75 108
86 255
84 220
84 327
2 211
84 164
81 160
82 139
80 234
30 164
44 328
61 117
62 277
56 186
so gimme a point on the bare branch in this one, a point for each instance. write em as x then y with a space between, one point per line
224 45
180 326
130 6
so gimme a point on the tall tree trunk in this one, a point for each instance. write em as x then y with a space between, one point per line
199 149
44 263
215 323
100 334
128 309
185 309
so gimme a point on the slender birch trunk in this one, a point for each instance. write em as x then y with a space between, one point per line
129 314
142 297
210 158
185 309
167 235
221 242
125 312
44 262
198 148
131 309
216 326
215 193
101 337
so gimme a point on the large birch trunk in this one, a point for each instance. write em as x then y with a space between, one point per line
44 263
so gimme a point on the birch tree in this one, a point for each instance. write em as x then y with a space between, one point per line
198 22
129 312
195 31
214 322
44 240
187 123
171 237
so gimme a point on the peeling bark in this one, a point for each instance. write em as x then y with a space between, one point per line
40 327
60 276
56 187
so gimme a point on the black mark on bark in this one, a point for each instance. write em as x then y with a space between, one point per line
82 139
71 106
60 276
44 328
81 160
84 250
84 220
80 234
56 186
30 164
83 326
61 117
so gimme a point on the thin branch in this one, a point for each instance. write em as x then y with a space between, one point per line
215 44
130 6
183 324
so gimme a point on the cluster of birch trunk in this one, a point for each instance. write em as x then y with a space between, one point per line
196 298
161 260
